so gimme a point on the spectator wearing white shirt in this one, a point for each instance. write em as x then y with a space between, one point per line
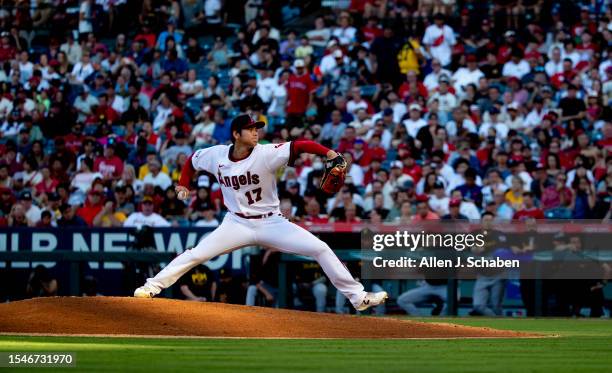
517 67
438 201
439 39
26 68
570 52
32 212
320 35
85 17
266 86
460 121
501 129
536 115
146 217
157 177
116 102
446 100
345 33
72 49
414 123
383 134
85 177
328 62
164 111
555 64
83 104
192 87
83 69
432 79
356 102
398 107
208 220
514 119
465 76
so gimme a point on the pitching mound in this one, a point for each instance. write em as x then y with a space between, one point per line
166 317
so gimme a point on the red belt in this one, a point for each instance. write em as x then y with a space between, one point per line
254 216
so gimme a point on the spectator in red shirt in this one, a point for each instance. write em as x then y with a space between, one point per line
348 141
360 153
528 210
300 89
93 205
371 30
104 113
147 36
109 165
7 51
558 194
47 185
74 140
411 168
412 81
423 211
371 174
375 149
313 213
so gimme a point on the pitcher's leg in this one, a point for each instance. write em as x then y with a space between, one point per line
290 238
227 237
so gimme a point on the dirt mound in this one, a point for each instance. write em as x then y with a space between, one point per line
131 316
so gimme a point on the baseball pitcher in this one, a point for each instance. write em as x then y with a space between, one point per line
246 173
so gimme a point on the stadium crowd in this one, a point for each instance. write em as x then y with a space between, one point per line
445 109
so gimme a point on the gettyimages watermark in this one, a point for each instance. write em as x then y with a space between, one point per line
464 250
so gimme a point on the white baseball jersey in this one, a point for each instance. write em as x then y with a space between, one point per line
248 185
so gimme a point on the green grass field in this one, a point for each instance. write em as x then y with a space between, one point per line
582 346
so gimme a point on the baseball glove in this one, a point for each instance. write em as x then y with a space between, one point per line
333 177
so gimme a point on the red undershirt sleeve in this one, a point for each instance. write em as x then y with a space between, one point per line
187 173
306 146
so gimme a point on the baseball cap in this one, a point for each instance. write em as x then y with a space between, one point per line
298 63
387 112
25 196
454 202
438 185
53 196
415 107
513 106
147 199
338 53
422 198
471 58
397 164
509 34
443 79
245 121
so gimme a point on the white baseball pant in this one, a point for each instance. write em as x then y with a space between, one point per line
274 232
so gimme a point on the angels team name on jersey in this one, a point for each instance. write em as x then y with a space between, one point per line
248 185
237 181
